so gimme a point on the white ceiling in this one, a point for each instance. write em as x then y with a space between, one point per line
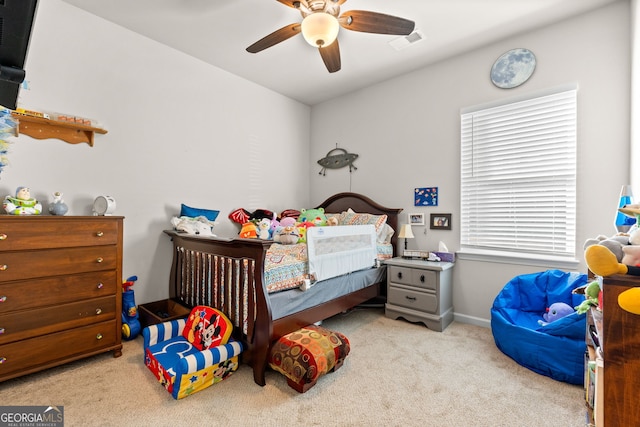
218 32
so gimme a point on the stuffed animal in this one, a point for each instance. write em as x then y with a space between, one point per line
315 216
592 297
249 231
22 203
199 225
555 311
286 235
263 229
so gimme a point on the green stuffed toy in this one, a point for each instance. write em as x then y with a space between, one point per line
315 216
591 294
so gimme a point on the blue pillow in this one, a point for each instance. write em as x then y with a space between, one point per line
185 210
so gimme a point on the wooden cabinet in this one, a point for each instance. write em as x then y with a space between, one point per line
60 290
420 291
619 338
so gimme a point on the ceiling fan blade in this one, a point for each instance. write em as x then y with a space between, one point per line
290 3
331 56
274 38
377 23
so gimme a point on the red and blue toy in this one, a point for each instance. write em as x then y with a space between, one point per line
130 318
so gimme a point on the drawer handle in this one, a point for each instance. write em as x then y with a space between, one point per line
99 336
3 267
410 298
3 236
99 234
2 360
99 260
422 278
3 298
399 274
100 286
98 311
1 331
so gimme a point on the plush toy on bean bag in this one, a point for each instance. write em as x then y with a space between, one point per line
555 311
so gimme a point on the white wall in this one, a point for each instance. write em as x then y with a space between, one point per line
406 131
179 131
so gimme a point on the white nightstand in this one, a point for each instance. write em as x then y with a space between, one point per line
420 291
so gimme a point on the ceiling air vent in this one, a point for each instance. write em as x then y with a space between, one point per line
406 41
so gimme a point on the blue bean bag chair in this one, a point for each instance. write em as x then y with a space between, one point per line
556 349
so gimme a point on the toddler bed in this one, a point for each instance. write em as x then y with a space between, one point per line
231 275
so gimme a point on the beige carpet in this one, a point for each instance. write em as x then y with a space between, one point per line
398 374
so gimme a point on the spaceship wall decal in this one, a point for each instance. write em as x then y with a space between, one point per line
337 161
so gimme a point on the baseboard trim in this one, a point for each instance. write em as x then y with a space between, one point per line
478 321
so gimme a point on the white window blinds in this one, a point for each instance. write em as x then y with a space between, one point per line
518 176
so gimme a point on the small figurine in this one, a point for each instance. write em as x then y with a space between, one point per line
22 203
58 206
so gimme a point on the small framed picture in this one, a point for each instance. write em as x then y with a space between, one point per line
440 221
416 218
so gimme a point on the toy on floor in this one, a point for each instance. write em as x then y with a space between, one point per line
130 317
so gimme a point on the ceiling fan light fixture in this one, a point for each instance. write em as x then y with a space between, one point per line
320 29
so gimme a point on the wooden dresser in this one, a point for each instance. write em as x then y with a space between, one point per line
616 381
60 290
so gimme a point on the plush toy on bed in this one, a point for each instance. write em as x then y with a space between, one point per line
555 311
315 216
199 225
286 235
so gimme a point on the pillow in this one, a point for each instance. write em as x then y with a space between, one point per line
194 212
379 221
207 328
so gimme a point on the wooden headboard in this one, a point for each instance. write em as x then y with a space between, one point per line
362 204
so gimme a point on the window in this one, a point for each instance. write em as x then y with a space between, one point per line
518 176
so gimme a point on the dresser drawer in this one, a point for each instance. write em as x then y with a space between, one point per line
31 323
426 279
34 293
20 233
35 352
56 262
419 301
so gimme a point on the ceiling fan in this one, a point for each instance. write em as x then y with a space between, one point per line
321 23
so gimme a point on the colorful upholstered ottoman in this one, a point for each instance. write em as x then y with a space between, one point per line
189 355
308 353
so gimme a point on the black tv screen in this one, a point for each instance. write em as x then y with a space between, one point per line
16 21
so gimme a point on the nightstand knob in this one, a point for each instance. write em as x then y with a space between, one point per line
3 236
3 298
422 278
98 311
99 260
399 274
99 336
100 286
99 234
1 331
3 267
2 360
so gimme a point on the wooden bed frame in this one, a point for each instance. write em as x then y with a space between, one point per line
228 274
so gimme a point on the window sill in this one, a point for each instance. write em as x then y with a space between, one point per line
518 258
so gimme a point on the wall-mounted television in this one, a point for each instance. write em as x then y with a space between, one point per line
16 21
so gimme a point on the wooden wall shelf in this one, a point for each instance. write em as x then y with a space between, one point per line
73 133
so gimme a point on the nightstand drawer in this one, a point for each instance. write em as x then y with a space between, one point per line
426 279
420 301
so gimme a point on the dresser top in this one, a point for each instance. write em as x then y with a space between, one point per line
419 263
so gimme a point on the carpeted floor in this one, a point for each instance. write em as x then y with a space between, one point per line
398 374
